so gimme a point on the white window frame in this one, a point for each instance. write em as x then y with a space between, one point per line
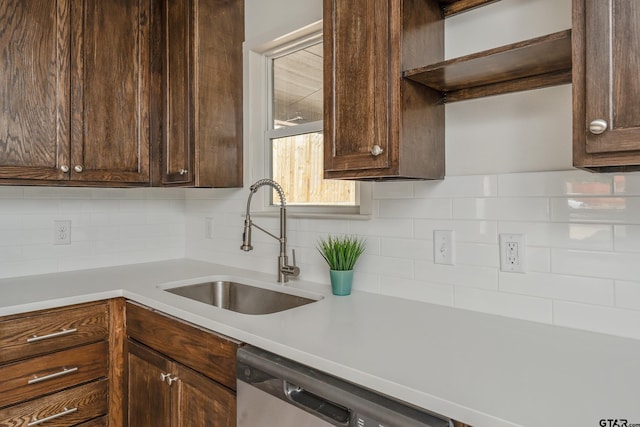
259 133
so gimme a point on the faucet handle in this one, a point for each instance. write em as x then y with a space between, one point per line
291 270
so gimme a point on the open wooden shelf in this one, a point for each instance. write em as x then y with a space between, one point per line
530 64
453 7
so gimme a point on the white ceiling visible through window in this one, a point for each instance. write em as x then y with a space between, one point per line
297 87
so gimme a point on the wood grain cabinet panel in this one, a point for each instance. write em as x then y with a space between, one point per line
110 90
45 374
66 408
378 125
40 333
75 92
34 100
210 354
166 393
606 88
200 122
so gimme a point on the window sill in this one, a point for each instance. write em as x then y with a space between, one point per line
312 215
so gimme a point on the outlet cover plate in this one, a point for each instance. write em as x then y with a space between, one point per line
513 253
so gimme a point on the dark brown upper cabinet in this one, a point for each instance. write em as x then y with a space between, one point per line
378 125
199 124
606 88
75 91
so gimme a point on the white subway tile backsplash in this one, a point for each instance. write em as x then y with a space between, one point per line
382 227
562 234
387 266
608 320
459 275
627 238
559 287
614 265
436 293
628 294
512 209
504 304
392 190
466 231
415 208
583 240
538 259
549 184
458 186
624 210
477 254
406 248
627 184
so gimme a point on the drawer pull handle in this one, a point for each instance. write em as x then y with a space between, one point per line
64 371
37 421
63 332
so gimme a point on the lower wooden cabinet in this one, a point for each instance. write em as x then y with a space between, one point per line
57 367
179 375
165 393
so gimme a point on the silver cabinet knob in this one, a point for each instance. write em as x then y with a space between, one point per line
77 168
64 168
598 126
183 171
376 150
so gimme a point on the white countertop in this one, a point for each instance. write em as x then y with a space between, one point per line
484 370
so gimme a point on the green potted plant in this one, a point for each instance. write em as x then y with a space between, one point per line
341 253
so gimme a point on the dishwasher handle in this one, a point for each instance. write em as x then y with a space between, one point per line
313 403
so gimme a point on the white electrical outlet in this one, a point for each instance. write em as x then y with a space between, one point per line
444 247
62 232
208 228
512 253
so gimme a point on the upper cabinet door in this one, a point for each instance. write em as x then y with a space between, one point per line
177 83
606 88
110 91
357 119
612 86
378 125
34 89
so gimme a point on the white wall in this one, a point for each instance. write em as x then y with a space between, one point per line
508 171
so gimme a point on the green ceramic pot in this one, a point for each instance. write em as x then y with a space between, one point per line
341 281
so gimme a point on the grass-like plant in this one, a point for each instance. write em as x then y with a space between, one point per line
341 253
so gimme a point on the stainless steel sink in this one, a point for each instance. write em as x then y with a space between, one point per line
240 297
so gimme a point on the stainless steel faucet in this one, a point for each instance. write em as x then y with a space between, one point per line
284 269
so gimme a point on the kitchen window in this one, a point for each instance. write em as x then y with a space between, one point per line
293 144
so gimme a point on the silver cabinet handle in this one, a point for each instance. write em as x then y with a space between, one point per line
78 168
37 421
64 168
163 376
171 380
376 150
183 171
64 371
63 332
598 126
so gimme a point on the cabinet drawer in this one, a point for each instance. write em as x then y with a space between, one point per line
97 422
201 350
46 332
62 409
45 374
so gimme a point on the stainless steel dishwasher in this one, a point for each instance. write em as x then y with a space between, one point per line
278 392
